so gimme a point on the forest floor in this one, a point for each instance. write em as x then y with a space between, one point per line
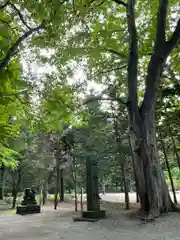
120 224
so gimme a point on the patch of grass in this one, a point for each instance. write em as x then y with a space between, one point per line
7 212
5 209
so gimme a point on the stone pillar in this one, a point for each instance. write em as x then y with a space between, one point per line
93 212
92 188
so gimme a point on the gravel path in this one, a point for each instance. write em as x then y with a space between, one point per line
120 225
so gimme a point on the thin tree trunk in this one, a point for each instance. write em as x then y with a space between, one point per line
137 194
168 168
45 193
135 178
16 185
121 186
126 192
118 142
2 178
175 149
75 183
57 187
81 199
62 185
14 194
75 194
40 192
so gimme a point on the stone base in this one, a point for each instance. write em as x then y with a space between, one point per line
28 209
81 219
94 214
90 216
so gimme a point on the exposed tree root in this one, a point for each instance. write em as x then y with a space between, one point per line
147 216
154 213
147 219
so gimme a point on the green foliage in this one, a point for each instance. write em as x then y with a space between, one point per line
92 37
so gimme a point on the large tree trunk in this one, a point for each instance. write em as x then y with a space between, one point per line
153 191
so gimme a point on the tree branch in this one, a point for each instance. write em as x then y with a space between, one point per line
19 14
121 3
99 4
13 49
110 70
133 56
121 55
175 39
161 25
2 94
97 98
4 5
158 58
8 25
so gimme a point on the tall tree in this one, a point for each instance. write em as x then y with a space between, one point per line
108 49
153 191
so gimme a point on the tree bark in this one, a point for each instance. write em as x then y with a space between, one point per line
62 185
153 191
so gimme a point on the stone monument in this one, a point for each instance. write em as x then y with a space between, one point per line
29 204
93 213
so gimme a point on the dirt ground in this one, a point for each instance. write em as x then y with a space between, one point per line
119 225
